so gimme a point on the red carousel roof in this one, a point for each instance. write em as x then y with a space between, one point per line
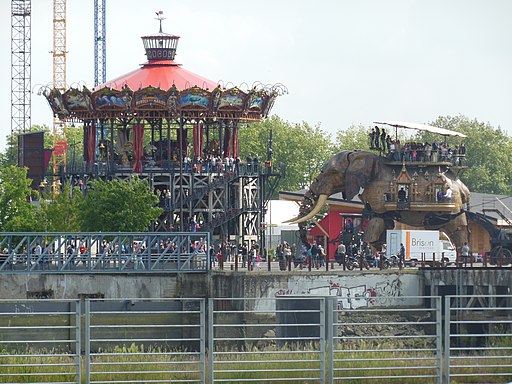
161 88
161 74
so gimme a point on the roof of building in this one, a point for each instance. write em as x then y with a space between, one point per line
161 74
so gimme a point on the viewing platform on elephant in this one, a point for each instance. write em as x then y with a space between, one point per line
424 164
421 206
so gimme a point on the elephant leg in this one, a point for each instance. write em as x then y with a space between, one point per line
374 230
457 231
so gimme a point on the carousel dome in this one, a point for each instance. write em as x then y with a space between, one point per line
160 71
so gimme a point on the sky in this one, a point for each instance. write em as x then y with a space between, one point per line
344 62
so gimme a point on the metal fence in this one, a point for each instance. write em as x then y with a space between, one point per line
288 339
104 252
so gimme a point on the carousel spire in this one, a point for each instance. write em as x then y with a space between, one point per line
161 46
160 17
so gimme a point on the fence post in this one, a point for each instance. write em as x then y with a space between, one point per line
330 339
446 339
202 335
87 341
211 346
322 331
439 337
78 337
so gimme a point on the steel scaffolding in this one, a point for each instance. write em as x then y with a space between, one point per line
20 65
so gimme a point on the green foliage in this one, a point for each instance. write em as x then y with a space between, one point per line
488 151
301 148
118 206
61 212
17 214
355 137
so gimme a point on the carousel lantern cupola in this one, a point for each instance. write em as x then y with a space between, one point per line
161 46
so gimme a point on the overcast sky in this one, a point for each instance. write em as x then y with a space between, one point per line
343 62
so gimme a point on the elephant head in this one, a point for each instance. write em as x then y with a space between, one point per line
346 172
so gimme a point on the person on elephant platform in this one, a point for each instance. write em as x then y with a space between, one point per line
428 152
391 151
388 143
402 194
462 154
377 137
440 196
398 151
372 139
383 140
448 195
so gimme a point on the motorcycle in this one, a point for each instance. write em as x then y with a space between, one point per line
353 262
390 262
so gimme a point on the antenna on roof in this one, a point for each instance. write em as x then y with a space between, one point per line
160 17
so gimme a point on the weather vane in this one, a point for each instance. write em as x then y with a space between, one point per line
160 17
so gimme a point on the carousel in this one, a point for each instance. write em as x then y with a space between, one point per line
179 130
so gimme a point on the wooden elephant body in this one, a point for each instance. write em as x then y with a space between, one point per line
417 194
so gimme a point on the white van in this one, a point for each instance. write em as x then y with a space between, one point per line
418 243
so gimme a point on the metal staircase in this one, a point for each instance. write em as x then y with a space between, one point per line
496 206
198 193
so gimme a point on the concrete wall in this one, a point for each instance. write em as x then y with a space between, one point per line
467 281
352 288
71 286
264 285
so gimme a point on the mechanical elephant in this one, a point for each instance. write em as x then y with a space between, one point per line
369 176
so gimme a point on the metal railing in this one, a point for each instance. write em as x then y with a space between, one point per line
478 339
145 341
40 341
317 339
104 252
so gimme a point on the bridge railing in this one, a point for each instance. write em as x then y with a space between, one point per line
104 252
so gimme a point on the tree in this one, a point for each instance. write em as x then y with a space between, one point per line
488 153
17 213
355 137
301 148
118 206
61 212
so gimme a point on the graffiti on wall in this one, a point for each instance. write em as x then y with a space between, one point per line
353 297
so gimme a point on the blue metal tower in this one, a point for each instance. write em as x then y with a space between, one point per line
100 42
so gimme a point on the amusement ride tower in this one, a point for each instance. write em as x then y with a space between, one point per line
179 130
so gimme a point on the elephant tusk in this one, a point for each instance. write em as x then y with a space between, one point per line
318 206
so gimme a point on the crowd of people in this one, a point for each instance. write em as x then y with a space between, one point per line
394 150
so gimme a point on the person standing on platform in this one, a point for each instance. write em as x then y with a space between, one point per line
402 256
377 138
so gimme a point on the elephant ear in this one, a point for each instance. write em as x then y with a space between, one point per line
360 172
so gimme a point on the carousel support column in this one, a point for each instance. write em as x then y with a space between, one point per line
241 237
221 141
180 143
227 138
153 125
84 149
90 146
168 159
160 124
110 148
207 145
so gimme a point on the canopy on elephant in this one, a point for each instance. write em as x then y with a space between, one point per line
421 127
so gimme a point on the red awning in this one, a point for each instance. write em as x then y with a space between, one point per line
160 74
